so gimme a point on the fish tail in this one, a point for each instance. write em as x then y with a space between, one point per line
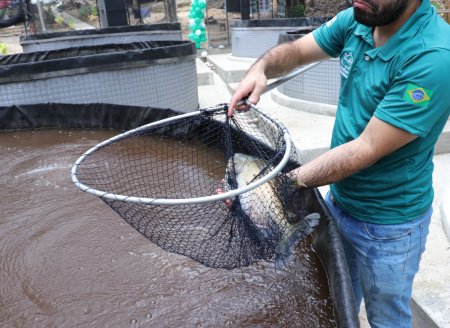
285 247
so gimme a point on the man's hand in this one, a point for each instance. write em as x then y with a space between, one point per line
276 62
228 202
252 86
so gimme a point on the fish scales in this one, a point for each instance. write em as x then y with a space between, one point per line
264 207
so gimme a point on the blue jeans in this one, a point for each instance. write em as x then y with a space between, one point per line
383 260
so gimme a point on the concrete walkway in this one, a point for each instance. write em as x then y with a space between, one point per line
311 134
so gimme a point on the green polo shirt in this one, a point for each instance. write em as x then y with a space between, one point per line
406 83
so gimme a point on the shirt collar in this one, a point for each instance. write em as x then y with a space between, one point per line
388 50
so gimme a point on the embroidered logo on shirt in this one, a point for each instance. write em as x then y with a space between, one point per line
346 64
417 95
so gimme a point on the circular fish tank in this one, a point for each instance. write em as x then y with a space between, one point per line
316 90
320 85
101 36
151 73
252 38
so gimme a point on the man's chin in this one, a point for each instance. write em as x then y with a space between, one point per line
364 18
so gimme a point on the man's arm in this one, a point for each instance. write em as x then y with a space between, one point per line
377 140
276 62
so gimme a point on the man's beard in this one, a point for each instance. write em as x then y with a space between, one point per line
376 16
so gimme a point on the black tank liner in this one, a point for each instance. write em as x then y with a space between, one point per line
294 35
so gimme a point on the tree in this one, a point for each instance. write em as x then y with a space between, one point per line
170 9
295 8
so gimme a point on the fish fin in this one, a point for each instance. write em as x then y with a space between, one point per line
285 247
291 217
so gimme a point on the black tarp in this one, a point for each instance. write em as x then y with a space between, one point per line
84 116
326 240
294 35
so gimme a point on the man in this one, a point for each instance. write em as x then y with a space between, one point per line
394 102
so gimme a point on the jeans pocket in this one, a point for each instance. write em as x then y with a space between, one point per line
387 232
335 211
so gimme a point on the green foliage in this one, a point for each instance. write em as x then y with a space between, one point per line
59 20
298 10
3 49
94 10
435 4
89 12
84 12
48 14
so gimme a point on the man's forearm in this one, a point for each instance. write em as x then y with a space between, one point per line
279 60
376 141
283 58
334 165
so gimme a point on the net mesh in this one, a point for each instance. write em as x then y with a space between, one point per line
200 156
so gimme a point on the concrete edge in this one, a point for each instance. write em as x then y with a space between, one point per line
204 74
307 155
420 318
249 60
443 143
228 76
445 213
224 68
304 105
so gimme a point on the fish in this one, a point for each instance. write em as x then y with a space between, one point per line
265 209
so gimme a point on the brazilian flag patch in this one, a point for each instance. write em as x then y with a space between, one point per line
417 95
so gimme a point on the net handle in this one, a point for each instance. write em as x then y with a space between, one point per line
181 201
290 75
281 80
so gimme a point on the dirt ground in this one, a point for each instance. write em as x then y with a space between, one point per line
10 37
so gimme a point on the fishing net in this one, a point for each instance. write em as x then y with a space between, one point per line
204 185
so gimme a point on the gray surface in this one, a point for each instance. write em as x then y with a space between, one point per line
204 74
445 212
254 41
320 84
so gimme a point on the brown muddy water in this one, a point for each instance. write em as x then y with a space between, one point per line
68 260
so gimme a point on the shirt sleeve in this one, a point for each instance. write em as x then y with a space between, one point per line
420 95
331 35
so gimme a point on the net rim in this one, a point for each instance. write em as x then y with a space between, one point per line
180 201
